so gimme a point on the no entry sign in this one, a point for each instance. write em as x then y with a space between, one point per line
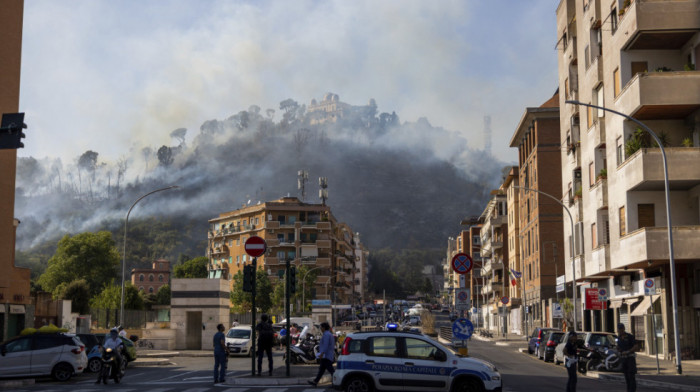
462 263
255 246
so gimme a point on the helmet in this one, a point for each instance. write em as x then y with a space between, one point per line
114 331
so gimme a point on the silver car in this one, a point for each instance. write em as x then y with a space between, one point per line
43 354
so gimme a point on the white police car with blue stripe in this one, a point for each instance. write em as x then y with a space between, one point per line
404 361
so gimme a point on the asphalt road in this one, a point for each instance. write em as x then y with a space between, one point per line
520 372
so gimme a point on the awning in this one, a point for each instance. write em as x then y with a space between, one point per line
643 307
632 300
615 303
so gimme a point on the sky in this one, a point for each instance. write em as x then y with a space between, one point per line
112 76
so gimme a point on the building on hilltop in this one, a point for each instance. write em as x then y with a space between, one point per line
331 110
150 280
641 59
307 234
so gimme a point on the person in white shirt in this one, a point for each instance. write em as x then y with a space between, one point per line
122 331
113 341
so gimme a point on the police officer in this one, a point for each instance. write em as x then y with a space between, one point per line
570 361
627 346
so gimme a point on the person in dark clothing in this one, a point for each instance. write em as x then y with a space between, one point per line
570 361
266 339
220 355
627 346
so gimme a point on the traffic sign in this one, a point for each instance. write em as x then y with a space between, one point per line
505 300
462 296
462 263
462 329
255 246
603 294
649 287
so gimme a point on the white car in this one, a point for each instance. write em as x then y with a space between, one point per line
43 354
404 361
238 340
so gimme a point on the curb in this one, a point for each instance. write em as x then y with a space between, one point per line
326 380
643 382
8 384
171 354
150 362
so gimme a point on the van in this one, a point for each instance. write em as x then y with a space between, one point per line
302 322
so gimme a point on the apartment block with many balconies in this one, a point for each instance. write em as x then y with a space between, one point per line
494 234
638 58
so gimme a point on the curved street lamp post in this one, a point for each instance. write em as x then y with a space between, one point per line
672 262
126 222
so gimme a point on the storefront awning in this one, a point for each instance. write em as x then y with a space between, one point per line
643 307
615 303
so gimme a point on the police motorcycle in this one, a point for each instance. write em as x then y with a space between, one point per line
306 350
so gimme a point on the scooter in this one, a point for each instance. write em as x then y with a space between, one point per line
109 367
305 351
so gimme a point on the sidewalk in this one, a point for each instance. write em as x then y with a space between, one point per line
646 367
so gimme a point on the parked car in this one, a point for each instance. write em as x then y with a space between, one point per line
536 338
238 340
559 349
599 339
59 355
409 362
92 348
130 349
548 345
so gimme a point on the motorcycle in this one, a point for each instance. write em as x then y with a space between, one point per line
604 359
109 367
305 351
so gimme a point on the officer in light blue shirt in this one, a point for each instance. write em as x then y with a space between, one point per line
326 353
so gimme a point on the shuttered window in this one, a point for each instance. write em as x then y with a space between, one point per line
623 222
645 212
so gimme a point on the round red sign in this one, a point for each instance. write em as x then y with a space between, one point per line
255 246
505 300
462 263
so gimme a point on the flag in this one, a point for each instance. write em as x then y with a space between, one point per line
514 275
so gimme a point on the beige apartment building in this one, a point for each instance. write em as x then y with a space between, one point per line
494 234
307 234
513 291
639 58
16 313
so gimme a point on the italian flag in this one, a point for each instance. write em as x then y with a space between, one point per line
514 275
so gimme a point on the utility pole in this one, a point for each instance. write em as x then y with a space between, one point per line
252 333
287 313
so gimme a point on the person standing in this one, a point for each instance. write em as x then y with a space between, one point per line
234 323
571 360
283 337
122 331
266 339
326 353
627 346
220 355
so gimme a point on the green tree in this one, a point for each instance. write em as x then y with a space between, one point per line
111 294
195 268
89 256
163 295
243 302
78 292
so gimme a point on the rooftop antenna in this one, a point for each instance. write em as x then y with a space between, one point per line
302 179
323 192
487 135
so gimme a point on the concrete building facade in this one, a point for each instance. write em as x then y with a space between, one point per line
639 58
15 303
494 234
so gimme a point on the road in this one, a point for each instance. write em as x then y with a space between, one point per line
520 372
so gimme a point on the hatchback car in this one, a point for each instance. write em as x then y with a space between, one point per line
599 339
92 348
536 338
58 355
548 345
238 340
404 361
559 349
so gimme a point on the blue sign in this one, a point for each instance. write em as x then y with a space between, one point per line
462 329
321 302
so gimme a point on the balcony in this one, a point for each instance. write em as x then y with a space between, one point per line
579 264
272 225
651 243
599 262
323 244
658 24
597 133
644 170
660 95
599 193
272 260
323 262
491 266
493 287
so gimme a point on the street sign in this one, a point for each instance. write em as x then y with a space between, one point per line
462 263
649 287
557 311
462 281
462 329
603 294
560 283
255 246
505 300
462 296
593 300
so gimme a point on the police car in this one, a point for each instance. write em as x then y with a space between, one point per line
406 361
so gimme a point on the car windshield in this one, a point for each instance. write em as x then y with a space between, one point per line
238 334
601 340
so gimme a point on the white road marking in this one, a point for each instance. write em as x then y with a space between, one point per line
177 375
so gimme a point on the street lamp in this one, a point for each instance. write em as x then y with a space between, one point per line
573 242
672 262
126 222
303 287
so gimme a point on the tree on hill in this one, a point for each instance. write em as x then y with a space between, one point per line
89 256
195 268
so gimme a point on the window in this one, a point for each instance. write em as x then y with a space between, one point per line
150 278
420 349
623 226
645 214
140 288
591 174
238 241
383 346
586 56
589 116
21 344
141 278
566 87
619 151
238 259
594 236
160 278
599 100
150 290
280 254
616 80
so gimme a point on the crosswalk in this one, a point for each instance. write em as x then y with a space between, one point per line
212 388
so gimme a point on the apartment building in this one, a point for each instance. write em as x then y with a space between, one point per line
16 312
539 217
468 241
639 58
514 290
150 280
494 233
307 234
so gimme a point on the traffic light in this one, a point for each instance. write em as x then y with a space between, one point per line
248 276
11 134
292 280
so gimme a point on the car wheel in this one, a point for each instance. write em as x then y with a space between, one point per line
469 385
358 384
62 372
94 365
